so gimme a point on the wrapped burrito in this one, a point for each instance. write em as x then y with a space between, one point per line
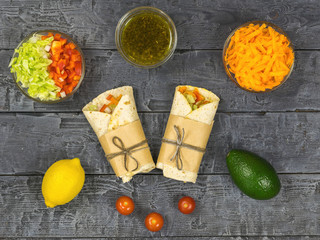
187 133
114 118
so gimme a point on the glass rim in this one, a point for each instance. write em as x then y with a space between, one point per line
226 45
69 39
137 10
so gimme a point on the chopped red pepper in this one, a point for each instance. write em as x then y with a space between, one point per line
57 37
66 66
78 68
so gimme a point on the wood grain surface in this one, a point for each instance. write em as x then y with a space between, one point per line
29 142
222 210
282 126
154 88
200 24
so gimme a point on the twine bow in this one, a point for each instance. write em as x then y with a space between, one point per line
180 144
127 152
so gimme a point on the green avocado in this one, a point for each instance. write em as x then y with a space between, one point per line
253 175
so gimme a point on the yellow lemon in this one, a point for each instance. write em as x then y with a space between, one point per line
62 182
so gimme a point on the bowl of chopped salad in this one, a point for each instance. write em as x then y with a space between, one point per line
48 66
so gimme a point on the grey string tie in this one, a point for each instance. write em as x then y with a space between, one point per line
180 144
127 152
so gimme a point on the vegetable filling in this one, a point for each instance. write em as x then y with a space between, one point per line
194 98
113 102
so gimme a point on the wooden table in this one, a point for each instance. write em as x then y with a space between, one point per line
282 126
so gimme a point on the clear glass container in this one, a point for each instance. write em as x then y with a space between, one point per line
69 39
129 16
226 44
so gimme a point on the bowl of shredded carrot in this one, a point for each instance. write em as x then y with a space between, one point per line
258 56
48 66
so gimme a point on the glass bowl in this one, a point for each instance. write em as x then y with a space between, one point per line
125 20
69 39
226 44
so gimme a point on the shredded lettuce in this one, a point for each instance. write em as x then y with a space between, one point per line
31 68
93 108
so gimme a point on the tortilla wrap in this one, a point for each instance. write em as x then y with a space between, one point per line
125 113
203 115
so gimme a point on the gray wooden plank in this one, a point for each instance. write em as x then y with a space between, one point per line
205 238
178 238
221 209
201 24
30 143
154 88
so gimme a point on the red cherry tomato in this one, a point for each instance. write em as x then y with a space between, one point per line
154 222
186 205
125 205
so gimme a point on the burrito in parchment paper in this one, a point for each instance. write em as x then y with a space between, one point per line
187 133
114 118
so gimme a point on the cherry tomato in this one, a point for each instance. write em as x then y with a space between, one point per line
125 205
186 205
154 222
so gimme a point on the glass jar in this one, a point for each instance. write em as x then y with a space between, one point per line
146 37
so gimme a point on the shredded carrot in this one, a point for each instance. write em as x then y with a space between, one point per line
103 108
113 100
199 97
118 98
182 89
259 57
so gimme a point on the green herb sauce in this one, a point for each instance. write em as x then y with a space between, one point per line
146 38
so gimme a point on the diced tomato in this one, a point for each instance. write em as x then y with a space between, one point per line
58 70
55 57
57 36
71 75
53 64
66 66
51 74
68 51
69 80
56 47
64 75
76 78
75 57
74 83
66 89
71 45
66 56
75 52
63 41
78 68
61 64
59 84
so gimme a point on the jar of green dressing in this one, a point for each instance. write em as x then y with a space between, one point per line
146 37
